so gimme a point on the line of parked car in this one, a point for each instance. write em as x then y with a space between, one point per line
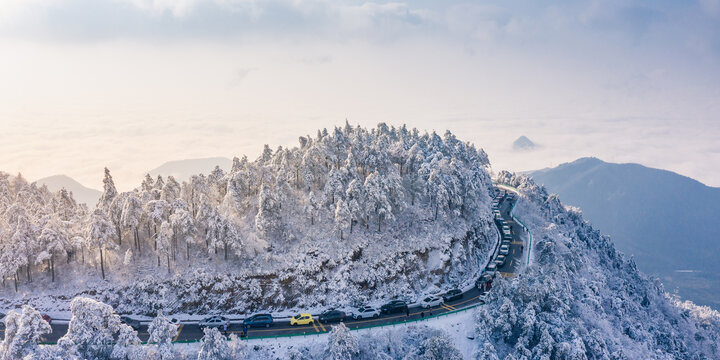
329 316
506 230
483 283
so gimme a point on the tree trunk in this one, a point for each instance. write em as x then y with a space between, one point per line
226 247
379 222
16 281
352 223
158 260
102 264
82 252
188 250
52 265
168 259
137 241
119 232
341 234
27 269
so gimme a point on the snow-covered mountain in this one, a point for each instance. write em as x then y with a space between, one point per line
523 143
582 299
81 193
182 170
668 222
348 216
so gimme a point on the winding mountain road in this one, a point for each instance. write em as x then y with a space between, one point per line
188 332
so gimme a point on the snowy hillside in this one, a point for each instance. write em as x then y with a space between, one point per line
581 299
348 216
652 214
81 193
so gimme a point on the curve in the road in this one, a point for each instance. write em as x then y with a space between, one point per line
191 332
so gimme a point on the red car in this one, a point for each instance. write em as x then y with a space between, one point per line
47 318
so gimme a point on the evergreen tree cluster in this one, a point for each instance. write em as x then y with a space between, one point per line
362 208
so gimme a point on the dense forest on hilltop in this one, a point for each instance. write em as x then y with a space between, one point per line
389 210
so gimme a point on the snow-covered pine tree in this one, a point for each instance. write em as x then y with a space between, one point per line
268 221
437 348
99 234
109 191
164 239
171 190
183 225
93 328
342 217
162 331
128 345
22 334
54 241
312 206
342 345
132 215
214 346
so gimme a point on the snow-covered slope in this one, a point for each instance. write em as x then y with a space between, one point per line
81 193
581 299
668 222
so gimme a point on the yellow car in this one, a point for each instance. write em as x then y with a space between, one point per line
301 319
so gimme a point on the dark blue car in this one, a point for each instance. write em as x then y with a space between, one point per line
258 320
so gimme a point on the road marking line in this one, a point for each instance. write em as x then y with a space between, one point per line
507 275
178 333
510 262
321 326
517 242
448 307
271 329
513 254
468 300
315 326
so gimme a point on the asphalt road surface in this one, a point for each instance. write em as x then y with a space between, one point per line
191 331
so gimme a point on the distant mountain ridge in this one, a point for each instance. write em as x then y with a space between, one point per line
81 193
670 223
182 170
523 144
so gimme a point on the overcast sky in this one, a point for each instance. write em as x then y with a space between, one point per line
130 84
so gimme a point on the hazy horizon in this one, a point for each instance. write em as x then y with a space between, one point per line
131 84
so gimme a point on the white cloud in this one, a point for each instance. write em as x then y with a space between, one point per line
90 83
